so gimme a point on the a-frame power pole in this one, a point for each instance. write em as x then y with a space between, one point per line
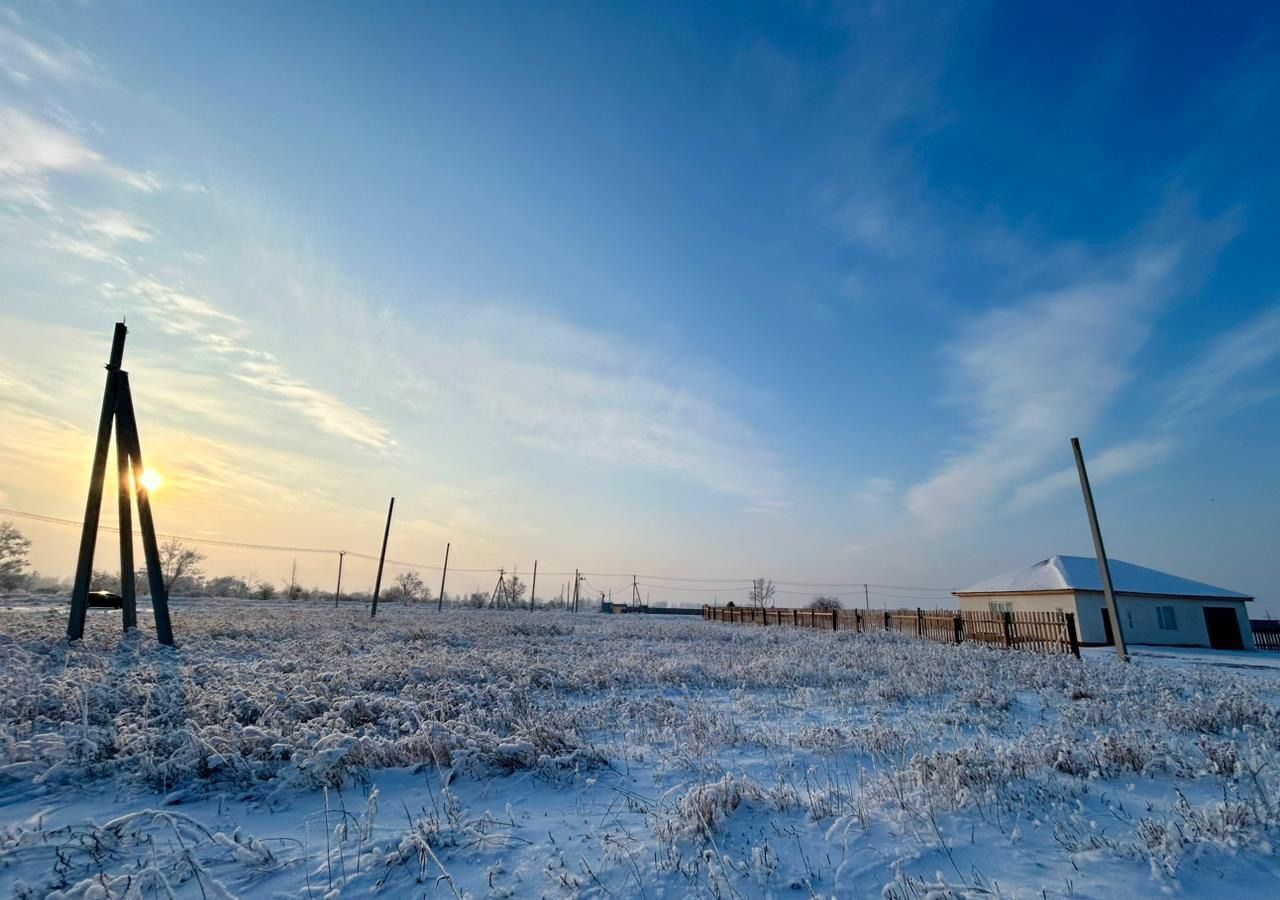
117 409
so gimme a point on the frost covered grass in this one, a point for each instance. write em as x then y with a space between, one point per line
300 750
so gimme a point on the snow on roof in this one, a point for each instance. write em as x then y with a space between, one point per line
1080 573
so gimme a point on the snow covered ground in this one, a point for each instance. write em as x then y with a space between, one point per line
301 751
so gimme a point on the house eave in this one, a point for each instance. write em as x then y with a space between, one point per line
1139 594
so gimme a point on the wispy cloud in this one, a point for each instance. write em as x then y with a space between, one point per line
23 59
1032 374
31 149
569 391
323 409
115 225
1110 463
1245 349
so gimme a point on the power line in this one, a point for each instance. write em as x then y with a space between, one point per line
675 582
238 545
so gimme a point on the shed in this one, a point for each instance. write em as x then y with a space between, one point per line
1155 607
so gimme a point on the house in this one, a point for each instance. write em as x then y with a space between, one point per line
1154 607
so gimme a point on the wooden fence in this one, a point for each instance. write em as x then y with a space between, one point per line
1044 632
1266 633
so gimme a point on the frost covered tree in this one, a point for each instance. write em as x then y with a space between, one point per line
227 586
179 564
14 546
293 590
761 592
826 603
515 591
264 590
410 588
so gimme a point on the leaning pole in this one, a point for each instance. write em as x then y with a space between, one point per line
1104 567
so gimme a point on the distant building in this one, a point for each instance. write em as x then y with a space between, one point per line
1155 607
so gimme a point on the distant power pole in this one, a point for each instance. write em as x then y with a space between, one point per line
1104 567
337 591
533 591
443 573
382 558
866 594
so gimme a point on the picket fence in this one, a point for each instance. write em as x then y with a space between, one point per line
1044 632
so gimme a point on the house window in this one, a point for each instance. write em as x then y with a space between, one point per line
1004 607
1168 621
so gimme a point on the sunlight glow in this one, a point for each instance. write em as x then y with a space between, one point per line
151 480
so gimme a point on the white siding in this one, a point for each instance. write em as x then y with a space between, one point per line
1139 616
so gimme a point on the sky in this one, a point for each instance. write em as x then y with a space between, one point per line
814 292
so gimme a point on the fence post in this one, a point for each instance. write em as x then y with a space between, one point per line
1071 634
886 620
919 622
835 620
958 624
1008 628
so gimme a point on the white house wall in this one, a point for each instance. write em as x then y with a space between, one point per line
1138 615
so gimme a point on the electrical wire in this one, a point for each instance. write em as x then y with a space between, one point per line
678 583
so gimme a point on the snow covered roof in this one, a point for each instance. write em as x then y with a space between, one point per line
1080 573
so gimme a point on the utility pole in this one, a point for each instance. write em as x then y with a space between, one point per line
443 573
97 476
533 591
382 558
576 579
1104 567
117 410
866 593
337 592
128 578
499 590
635 593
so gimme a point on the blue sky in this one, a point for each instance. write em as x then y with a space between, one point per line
814 292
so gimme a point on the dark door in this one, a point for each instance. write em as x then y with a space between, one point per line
1224 628
1106 626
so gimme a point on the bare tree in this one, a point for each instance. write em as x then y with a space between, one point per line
826 603
14 546
294 589
761 593
409 588
515 591
178 562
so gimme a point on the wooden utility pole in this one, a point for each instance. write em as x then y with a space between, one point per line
127 422
635 593
866 594
128 580
499 590
337 592
117 409
576 579
382 558
443 573
533 591
1104 567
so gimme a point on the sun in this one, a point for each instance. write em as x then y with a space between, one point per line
151 480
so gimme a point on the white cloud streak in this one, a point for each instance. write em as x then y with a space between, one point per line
23 59
1232 355
1110 463
31 149
1031 375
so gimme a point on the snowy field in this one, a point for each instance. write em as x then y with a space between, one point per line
306 752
